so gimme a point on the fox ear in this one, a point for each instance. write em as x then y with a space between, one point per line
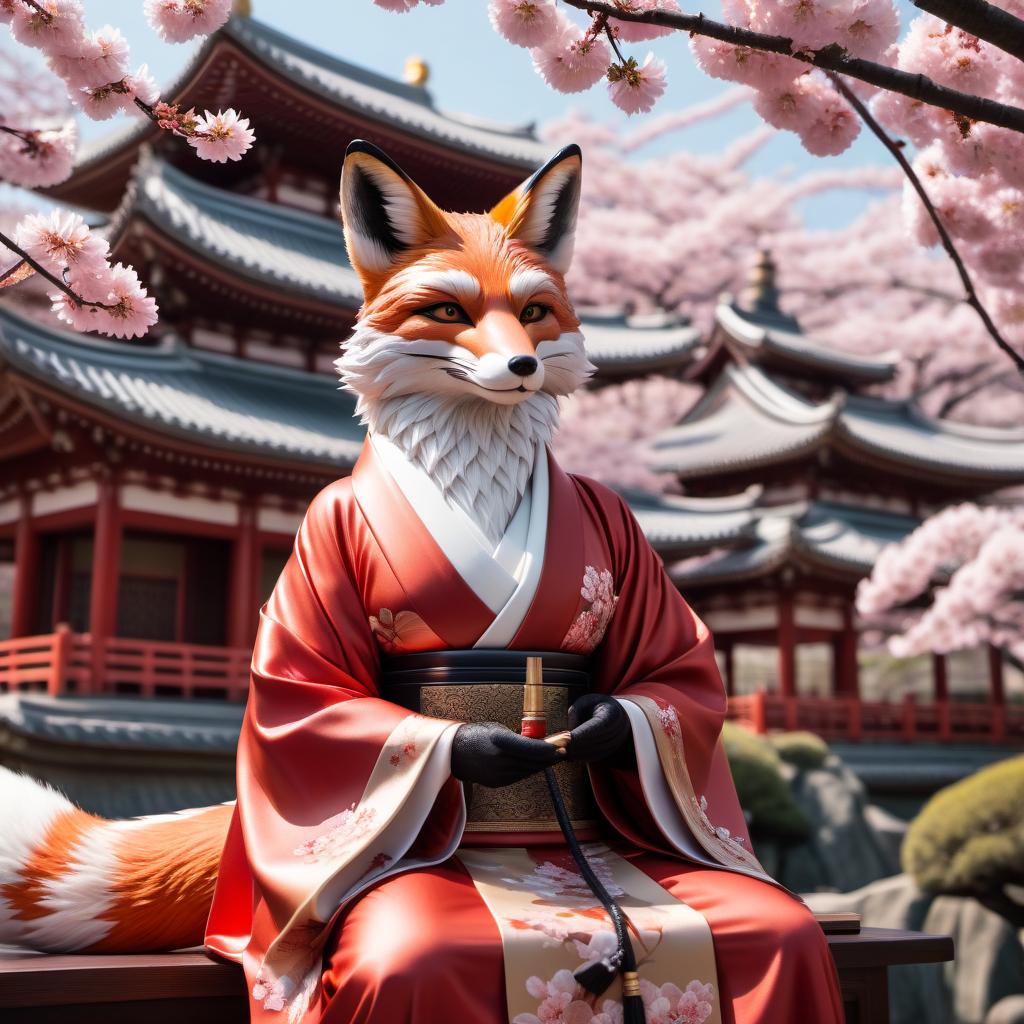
541 213
384 212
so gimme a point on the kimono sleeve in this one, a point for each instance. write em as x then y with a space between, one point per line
657 657
337 788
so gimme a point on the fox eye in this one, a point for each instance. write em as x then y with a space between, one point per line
446 313
534 312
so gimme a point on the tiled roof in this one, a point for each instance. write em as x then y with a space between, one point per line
747 420
637 343
835 539
262 241
229 404
179 725
677 525
305 255
407 108
776 341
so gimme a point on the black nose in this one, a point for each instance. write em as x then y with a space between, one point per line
522 366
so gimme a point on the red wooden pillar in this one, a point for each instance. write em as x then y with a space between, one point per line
26 571
730 669
995 675
940 678
787 646
847 676
106 565
244 579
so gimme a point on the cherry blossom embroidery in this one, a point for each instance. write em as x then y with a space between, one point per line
402 748
669 1004
715 831
398 631
380 860
351 826
590 625
562 999
271 994
669 719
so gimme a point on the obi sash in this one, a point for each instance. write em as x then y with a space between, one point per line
487 686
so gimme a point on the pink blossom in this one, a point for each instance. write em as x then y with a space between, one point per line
637 32
668 1004
222 136
825 122
58 33
948 55
572 61
40 159
396 6
99 60
62 241
177 21
742 64
524 22
126 311
8 8
635 89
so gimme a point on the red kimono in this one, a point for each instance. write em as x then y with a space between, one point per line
344 890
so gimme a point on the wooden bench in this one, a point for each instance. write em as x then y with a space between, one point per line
169 988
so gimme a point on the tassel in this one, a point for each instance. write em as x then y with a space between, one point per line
596 977
632 1004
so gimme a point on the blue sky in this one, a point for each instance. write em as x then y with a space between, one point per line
475 71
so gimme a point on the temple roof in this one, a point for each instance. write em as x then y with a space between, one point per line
823 538
233 67
620 343
263 242
304 255
747 421
678 525
776 342
189 394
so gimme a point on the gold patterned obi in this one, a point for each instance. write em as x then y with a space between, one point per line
487 686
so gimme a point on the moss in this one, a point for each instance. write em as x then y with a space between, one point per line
803 750
764 793
969 838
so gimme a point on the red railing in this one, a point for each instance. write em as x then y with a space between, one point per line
67 662
907 721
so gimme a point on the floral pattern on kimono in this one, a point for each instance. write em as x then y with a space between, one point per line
588 629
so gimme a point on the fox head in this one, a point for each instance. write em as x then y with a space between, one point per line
466 337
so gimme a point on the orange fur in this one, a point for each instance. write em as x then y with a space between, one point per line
48 861
165 883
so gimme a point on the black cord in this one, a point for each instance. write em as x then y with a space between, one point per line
597 977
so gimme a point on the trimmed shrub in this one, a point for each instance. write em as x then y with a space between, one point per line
763 791
803 750
969 838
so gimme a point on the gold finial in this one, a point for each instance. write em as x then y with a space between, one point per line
417 71
242 8
760 294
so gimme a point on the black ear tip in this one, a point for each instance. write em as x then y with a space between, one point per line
369 149
565 152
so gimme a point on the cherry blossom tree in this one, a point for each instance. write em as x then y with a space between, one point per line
979 553
953 86
38 144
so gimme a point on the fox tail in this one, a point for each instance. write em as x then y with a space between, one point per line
74 882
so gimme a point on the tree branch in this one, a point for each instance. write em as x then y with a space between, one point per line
9 243
829 58
971 297
981 19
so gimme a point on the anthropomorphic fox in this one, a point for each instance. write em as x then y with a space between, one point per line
351 881
463 346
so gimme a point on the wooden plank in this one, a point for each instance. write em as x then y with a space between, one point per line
886 947
844 923
62 979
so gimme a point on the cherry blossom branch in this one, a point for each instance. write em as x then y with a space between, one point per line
829 58
984 20
9 243
971 295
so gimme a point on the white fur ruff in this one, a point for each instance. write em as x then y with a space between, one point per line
478 451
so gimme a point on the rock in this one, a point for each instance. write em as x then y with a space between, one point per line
1007 1011
989 964
851 844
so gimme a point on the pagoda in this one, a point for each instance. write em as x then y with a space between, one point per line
151 490
833 473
